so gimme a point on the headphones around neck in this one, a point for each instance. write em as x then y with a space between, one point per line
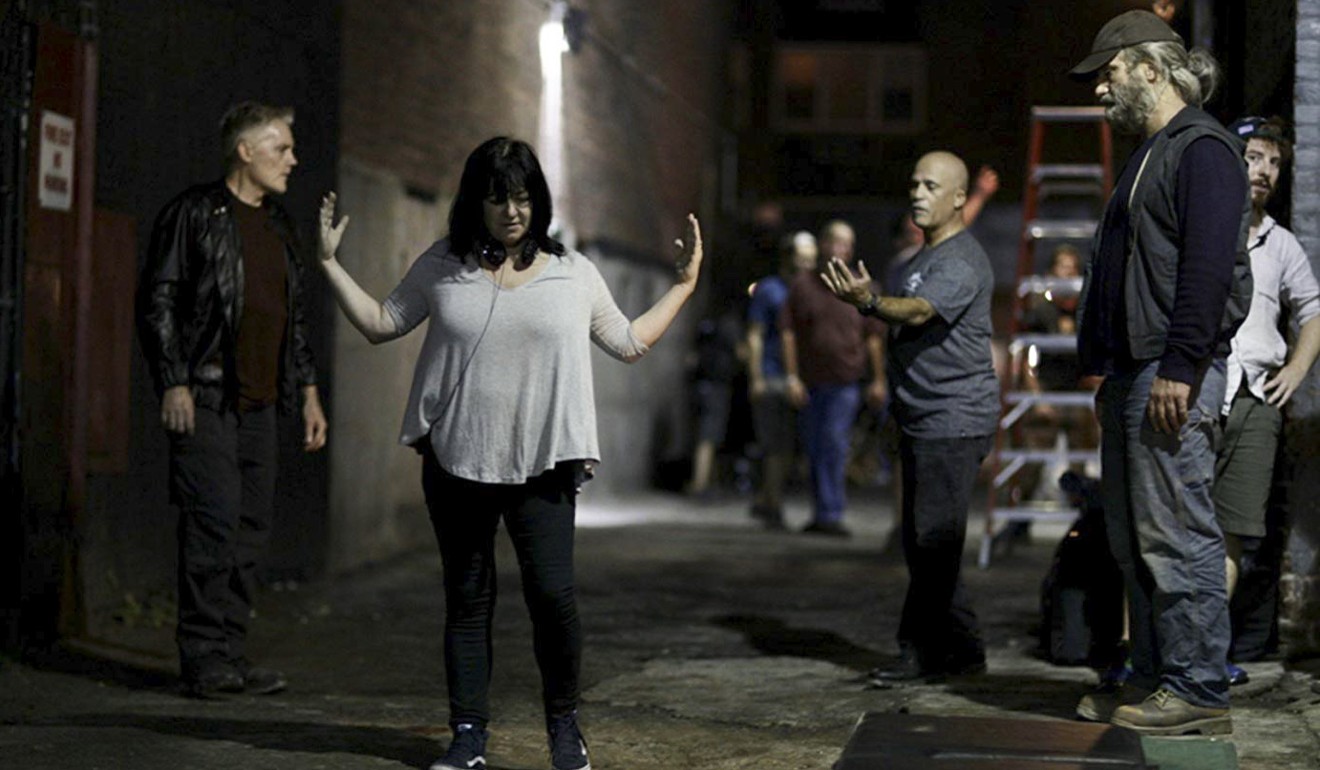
493 252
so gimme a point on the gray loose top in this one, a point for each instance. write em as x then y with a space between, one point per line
503 387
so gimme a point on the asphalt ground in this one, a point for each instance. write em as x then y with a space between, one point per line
709 643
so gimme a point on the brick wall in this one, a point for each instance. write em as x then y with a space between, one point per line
425 82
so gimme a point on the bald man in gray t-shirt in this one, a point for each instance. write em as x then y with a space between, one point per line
946 402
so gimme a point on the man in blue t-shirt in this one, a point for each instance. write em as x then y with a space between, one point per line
946 404
774 418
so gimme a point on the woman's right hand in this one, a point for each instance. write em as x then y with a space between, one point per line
689 261
331 233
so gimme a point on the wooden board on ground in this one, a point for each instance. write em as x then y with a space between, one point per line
901 741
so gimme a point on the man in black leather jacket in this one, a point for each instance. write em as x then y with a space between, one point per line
222 324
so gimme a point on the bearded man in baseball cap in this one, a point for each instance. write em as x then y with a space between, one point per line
1167 287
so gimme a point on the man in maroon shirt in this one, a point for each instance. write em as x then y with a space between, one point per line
826 347
222 327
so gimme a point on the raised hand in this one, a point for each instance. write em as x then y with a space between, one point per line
689 261
331 233
850 287
987 181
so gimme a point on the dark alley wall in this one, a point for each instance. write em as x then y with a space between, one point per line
989 61
1257 42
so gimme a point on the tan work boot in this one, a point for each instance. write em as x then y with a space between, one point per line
1099 705
1166 714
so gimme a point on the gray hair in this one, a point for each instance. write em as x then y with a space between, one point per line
243 117
1194 73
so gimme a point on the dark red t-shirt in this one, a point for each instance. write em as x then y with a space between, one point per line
830 333
265 306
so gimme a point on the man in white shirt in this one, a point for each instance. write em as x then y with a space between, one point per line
1262 372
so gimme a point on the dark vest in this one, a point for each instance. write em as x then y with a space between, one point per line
1151 271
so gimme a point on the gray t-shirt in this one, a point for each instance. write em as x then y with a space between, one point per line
941 373
503 386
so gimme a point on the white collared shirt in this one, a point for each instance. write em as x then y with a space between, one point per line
1280 273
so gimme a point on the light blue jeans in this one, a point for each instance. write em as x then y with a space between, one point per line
1162 530
827 426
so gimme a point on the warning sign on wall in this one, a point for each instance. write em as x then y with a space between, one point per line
55 169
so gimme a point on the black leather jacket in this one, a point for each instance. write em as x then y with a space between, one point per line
190 299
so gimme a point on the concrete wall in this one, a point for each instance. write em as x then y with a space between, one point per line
1301 585
376 506
423 84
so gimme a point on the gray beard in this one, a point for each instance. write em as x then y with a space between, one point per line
1128 107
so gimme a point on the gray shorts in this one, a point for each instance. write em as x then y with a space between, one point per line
774 419
714 400
1244 465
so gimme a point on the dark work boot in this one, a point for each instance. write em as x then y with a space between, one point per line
211 678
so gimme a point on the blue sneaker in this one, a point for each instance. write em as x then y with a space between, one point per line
1117 675
1237 675
568 751
467 751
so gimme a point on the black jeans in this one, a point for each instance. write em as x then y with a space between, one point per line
539 516
222 478
938 624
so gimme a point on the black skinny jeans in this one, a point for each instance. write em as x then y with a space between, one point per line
539 516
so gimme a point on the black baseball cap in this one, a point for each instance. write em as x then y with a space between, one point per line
1124 30
1259 128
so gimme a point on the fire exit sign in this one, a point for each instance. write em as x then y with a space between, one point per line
55 169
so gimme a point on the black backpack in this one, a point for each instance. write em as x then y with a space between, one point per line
1081 597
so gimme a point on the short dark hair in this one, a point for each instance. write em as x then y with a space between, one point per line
498 167
243 117
1275 129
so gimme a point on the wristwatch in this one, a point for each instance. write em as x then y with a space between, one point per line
870 307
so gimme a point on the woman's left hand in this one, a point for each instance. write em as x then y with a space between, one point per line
331 233
689 261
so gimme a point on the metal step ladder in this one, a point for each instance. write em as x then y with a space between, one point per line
1013 454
